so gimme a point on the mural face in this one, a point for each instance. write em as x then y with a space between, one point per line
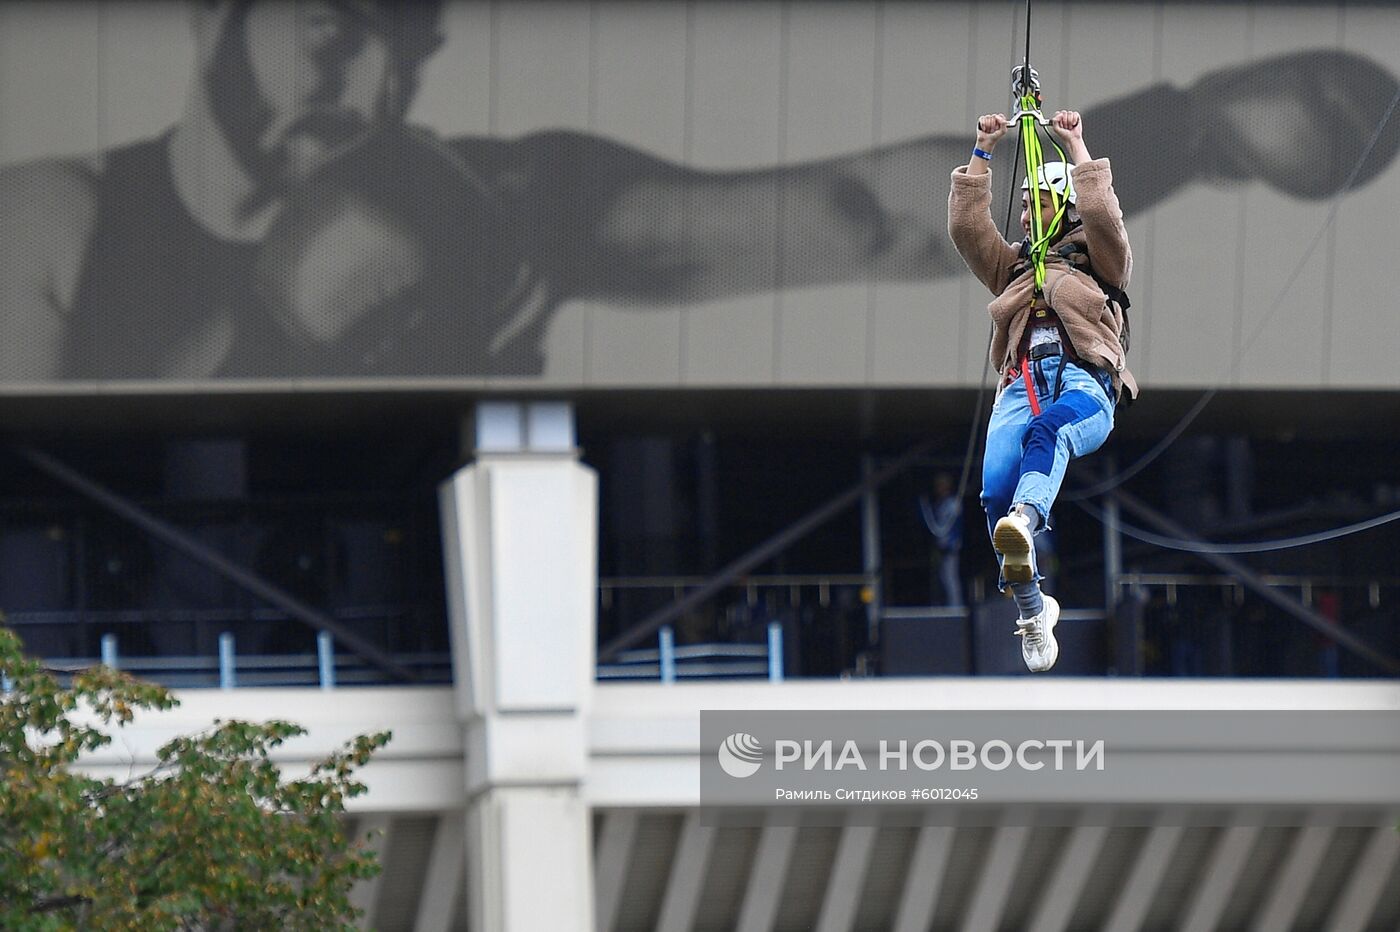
292 85
664 195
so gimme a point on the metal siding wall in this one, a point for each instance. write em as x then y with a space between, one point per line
130 90
632 347
1365 329
829 89
544 80
543 66
50 63
458 88
735 123
1101 45
1196 256
988 91
1276 230
919 330
749 86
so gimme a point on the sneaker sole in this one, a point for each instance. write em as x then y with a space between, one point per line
1015 552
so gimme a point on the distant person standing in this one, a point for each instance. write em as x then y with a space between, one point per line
1329 657
943 518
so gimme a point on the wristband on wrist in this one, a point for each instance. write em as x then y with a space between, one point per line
980 154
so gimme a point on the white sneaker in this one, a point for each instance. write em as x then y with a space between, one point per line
1039 649
1013 540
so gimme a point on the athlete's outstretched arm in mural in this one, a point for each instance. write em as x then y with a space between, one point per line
559 215
617 223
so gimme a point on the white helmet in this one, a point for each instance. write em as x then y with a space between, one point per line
1053 176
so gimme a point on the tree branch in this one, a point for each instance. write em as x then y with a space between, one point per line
57 903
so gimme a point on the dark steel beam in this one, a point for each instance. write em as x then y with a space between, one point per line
759 554
1255 583
178 540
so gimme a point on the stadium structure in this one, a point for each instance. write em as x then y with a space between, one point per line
545 381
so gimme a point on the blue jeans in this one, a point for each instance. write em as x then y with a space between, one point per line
1027 453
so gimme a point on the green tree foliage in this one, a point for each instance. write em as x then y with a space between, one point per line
211 838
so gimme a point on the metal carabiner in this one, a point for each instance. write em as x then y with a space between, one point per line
1021 86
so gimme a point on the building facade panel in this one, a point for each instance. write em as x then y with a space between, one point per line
663 196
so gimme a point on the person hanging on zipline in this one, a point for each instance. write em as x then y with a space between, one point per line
1058 343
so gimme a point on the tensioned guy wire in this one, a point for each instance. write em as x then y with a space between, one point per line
1261 546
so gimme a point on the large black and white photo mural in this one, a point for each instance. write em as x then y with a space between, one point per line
666 194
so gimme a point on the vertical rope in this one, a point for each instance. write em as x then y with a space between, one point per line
1025 75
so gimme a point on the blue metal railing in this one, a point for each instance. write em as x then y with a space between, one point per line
668 663
230 670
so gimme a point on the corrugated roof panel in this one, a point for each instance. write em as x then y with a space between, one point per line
461 922
808 872
648 871
726 878
405 863
1332 874
1387 914
730 866
1173 896
885 878
1106 879
1037 867
971 845
1264 861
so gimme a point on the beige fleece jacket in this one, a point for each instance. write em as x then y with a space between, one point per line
1090 320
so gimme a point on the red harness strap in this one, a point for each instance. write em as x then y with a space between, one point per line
1030 386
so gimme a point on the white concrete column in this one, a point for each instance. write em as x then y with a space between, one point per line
520 545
